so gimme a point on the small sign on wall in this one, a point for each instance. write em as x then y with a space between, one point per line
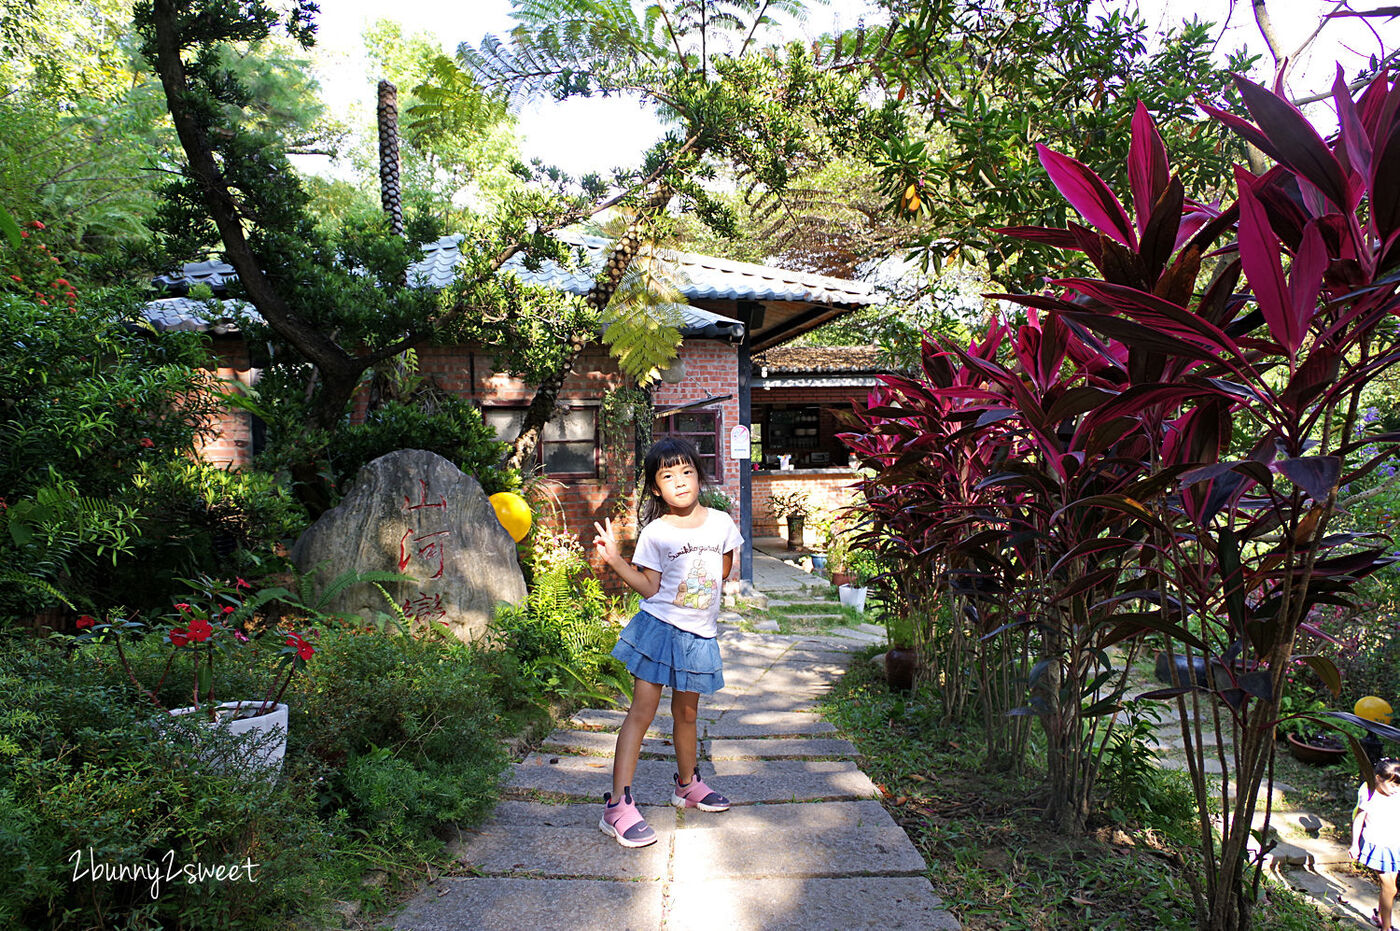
739 442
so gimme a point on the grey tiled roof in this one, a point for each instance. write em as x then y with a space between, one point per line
701 277
182 313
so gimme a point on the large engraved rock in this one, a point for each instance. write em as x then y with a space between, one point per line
414 512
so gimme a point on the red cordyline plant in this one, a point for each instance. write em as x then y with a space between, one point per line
1126 498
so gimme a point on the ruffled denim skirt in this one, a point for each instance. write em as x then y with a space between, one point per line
654 651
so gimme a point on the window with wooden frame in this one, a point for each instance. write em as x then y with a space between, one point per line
568 444
702 428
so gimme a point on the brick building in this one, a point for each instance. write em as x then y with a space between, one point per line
736 309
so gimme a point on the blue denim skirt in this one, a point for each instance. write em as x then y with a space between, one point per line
656 652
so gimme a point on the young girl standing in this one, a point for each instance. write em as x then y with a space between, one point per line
1375 834
684 553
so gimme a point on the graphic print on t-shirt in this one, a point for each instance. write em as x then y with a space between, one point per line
697 590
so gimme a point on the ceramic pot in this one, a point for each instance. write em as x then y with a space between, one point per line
270 730
899 669
852 597
795 527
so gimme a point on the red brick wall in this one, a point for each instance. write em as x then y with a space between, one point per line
231 446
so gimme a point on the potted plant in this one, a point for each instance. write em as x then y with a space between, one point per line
901 660
794 507
862 566
838 553
216 622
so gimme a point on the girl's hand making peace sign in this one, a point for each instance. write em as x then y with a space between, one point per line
606 541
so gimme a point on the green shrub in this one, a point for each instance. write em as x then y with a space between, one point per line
85 778
562 636
453 429
404 732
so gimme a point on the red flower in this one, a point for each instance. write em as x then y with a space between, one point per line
241 584
228 609
87 620
36 225
17 278
60 282
179 636
200 630
182 607
147 443
304 649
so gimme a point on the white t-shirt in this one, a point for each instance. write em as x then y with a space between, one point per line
1382 817
691 563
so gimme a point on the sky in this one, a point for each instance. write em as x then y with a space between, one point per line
594 135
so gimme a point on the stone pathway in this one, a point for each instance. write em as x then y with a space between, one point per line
806 846
1305 856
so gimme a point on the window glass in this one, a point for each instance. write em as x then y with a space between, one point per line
702 429
568 443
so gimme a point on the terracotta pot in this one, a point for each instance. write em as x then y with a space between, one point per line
840 578
1317 756
899 669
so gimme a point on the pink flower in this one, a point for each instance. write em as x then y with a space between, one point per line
182 607
240 636
241 584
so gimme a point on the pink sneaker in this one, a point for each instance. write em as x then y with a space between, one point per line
695 794
623 822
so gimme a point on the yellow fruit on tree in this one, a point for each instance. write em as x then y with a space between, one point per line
513 513
1373 708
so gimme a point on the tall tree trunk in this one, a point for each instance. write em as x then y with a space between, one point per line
541 408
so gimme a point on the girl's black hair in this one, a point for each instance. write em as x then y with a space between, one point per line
664 453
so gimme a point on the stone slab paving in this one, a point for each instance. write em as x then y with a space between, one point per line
781 748
806 846
562 841
507 904
805 840
602 743
795 904
741 723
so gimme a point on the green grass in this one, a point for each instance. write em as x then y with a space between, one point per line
992 858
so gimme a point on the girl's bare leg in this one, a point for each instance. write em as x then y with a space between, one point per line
645 697
1387 898
684 707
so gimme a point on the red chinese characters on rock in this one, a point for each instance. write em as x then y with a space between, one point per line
424 546
424 607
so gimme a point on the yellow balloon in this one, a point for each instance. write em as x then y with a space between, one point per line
1373 709
513 513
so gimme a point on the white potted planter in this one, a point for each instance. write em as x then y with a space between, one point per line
269 730
852 597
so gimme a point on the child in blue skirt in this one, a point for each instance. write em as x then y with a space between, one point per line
1375 834
684 553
